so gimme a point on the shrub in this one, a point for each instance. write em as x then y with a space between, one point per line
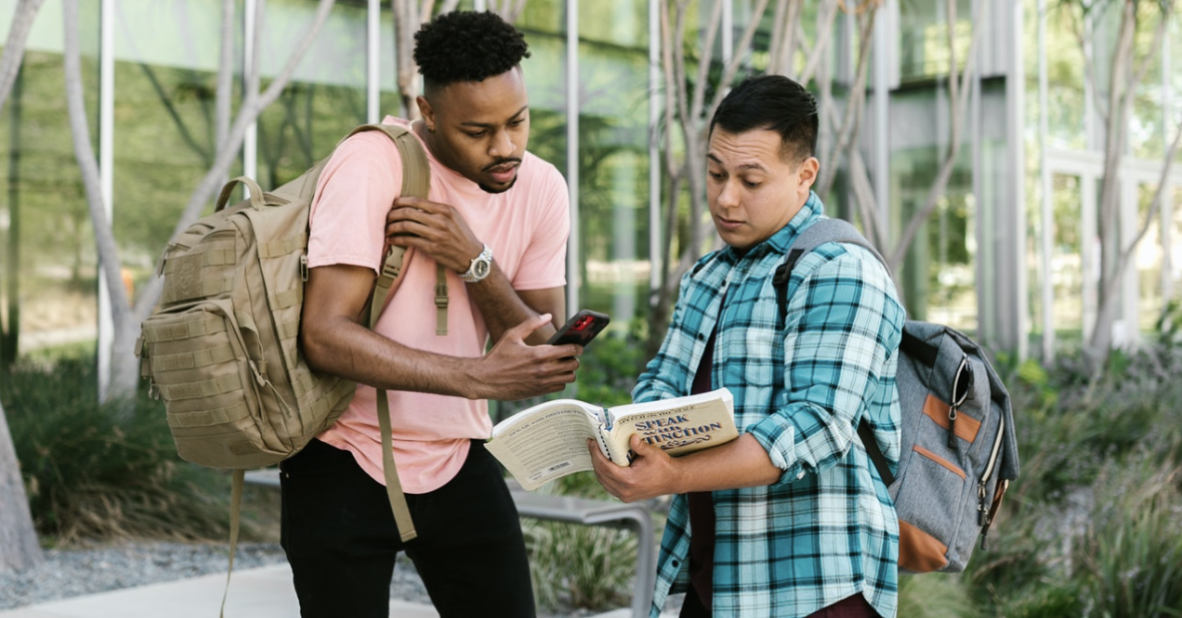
589 567
1131 556
92 477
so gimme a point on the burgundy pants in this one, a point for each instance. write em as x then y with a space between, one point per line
849 607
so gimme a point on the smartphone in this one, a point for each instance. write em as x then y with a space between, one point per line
581 328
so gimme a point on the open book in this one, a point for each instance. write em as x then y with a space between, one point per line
549 440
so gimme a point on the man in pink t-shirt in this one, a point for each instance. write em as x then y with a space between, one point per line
496 218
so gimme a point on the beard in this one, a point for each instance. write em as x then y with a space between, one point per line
494 190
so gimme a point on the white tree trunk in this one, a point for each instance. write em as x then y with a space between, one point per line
14 49
19 548
1126 74
124 375
124 365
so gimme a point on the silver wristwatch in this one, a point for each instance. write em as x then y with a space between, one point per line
480 266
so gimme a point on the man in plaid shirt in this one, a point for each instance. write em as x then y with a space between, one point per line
791 519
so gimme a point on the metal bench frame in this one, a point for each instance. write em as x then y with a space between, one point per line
636 517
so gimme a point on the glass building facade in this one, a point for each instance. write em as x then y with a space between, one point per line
1008 254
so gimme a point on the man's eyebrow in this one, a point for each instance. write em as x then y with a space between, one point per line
488 125
741 168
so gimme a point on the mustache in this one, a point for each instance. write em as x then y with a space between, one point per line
499 163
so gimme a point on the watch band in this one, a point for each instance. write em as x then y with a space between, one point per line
480 266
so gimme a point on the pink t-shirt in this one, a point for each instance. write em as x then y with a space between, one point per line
526 228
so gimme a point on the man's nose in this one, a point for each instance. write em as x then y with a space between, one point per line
502 145
728 196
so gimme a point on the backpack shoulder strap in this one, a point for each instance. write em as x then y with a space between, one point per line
416 182
824 231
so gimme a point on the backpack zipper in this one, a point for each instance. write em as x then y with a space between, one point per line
959 395
983 516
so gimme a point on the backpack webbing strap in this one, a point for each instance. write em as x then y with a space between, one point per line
839 231
416 181
239 481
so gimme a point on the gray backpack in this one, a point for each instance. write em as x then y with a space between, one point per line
959 449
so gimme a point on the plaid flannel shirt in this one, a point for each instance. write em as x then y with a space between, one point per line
827 529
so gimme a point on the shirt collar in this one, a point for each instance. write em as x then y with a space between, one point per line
779 242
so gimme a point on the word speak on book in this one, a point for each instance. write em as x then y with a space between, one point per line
549 440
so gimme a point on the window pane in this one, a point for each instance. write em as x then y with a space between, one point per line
47 254
326 97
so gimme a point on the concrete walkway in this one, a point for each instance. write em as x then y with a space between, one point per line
264 592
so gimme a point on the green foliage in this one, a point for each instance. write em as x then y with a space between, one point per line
90 477
934 596
1090 527
610 365
591 566
1131 554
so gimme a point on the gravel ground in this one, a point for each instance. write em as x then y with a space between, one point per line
72 572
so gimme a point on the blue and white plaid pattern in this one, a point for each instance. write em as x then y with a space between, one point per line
827 530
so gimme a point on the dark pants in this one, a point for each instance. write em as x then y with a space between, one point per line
341 540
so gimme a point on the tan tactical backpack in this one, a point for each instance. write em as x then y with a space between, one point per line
222 348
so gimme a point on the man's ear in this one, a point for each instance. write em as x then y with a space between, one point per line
426 112
807 174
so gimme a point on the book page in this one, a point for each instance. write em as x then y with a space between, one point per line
678 426
545 442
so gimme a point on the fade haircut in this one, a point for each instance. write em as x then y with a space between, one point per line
467 46
774 103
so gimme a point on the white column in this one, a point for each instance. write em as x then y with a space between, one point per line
1089 251
373 64
1167 202
1048 222
1128 322
655 258
573 254
106 160
250 143
1015 262
882 96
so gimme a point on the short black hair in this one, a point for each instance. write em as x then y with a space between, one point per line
775 103
467 46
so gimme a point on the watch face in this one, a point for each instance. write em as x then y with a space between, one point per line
481 268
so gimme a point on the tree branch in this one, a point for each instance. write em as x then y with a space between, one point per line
825 19
14 48
958 108
732 67
252 105
853 110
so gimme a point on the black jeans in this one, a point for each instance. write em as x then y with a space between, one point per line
341 540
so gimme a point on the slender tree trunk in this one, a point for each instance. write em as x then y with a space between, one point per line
14 48
406 23
124 365
19 548
1126 74
124 376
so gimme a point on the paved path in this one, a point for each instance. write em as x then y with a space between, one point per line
264 592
